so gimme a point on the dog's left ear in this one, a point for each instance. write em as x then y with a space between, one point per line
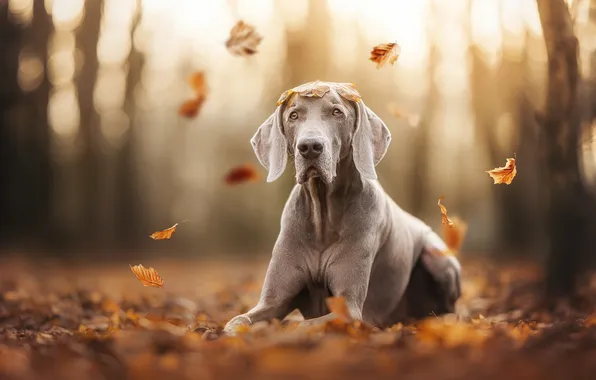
270 146
370 142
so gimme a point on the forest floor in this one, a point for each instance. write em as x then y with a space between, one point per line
62 321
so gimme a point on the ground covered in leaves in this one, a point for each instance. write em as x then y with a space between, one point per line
80 322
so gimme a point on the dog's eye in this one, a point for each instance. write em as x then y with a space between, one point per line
337 112
293 115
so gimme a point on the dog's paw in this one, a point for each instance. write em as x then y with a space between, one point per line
451 284
234 323
446 270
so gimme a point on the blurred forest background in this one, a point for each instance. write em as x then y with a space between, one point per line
95 156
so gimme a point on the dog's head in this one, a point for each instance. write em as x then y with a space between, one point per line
320 124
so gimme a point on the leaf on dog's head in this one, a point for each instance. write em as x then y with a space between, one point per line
337 306
319 89
147 276
504 174
412 119
243 40
241 174
164 234
444 219
284 97
348 91
385 53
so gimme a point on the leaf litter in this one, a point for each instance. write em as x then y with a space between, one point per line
71 329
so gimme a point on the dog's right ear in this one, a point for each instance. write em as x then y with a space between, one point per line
270 146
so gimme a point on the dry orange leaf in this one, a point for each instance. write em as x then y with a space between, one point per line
412 119
164 234
198 83
444 219
385 53
241 174
243 39
454 236
148 277
504 174
319 89
337 305
192 107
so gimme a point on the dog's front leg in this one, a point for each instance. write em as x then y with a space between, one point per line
285 278
349 273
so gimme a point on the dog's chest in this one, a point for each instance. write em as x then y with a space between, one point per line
319 265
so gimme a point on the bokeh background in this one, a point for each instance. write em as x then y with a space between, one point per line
95 156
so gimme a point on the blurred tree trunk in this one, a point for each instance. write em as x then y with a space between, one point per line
491 89
419 181
10 38
567 214
90 164
129 221
24 134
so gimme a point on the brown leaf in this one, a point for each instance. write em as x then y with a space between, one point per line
385 53
241 174
198 84
337 306
243 40
148 277
164 234
319 89
454 235
191 108
348 91
444 219
412 119
504 174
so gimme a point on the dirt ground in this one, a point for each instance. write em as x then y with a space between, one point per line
99 322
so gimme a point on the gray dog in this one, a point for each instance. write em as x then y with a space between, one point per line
341 234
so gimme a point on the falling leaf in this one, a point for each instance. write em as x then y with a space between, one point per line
385 53
444 219
454 235
337 306
241 174
191 108
504 174
412 119
164 234
198 84
319 89
243 40
148 277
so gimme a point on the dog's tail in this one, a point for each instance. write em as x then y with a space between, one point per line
454 236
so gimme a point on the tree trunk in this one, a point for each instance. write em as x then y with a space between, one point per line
567 206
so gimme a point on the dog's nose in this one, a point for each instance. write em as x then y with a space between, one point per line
310 148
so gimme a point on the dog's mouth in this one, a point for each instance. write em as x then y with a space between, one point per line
308 173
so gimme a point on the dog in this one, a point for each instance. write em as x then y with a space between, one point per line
341 234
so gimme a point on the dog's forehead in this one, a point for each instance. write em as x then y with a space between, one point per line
329 98
319 89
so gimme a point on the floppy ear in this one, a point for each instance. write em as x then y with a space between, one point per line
370 141
270 146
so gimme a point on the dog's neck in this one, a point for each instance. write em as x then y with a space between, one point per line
326 201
